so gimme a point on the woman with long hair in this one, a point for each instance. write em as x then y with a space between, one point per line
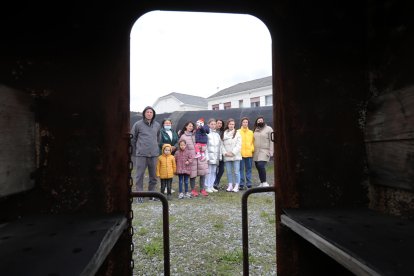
220 167
198 167
231 149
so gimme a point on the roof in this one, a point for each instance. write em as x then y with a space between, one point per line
188 99
244 86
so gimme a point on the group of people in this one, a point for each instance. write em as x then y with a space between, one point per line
199 150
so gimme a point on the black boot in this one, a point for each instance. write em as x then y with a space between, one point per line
162 186
169 184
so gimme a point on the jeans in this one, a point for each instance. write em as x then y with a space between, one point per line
261 169
211 176
233 167
246 165
220 171
183 178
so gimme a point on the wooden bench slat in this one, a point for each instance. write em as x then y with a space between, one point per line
58 244
364 241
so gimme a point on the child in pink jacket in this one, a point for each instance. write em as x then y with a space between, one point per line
183 159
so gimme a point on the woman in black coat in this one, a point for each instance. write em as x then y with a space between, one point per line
220 167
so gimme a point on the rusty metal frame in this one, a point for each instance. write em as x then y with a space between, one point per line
245 226
165 225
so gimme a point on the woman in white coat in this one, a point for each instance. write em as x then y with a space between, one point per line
231 149
214 155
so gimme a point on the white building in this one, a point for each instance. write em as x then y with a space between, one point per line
179 102
252 93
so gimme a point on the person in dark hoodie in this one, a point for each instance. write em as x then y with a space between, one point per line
145 133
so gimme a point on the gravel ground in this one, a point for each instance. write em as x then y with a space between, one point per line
206 235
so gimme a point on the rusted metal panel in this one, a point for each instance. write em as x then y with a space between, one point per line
17 141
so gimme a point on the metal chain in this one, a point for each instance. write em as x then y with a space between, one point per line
131 200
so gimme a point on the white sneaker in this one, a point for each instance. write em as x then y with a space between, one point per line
172 191
214 190
208 190
229 188
236 188
265 184
181 196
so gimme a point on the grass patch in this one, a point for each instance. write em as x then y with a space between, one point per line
269 217
205 233
233 257
142 231
218 225
154 248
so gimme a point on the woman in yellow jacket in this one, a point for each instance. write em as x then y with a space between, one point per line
247 149
166 168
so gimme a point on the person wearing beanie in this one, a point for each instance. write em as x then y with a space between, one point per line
201 139
145 148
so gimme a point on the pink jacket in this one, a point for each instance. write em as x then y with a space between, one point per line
181 156
198 167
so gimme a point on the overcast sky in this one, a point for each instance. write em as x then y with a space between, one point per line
195 53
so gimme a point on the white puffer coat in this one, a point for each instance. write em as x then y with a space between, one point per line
231 144
213 147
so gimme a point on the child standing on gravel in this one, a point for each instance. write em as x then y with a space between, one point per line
166 168
183 159
214 155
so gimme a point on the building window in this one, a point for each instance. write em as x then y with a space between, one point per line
269 100
255 102
215 107
241 103
227 105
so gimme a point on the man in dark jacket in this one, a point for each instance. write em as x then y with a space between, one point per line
145 146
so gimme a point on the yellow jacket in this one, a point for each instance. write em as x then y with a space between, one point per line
247 139
166 166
